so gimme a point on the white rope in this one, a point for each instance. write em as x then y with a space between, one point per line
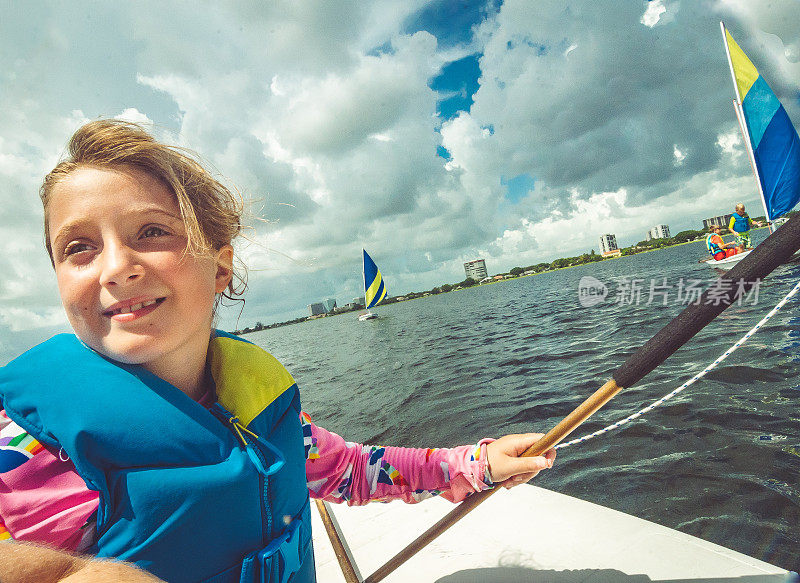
692 380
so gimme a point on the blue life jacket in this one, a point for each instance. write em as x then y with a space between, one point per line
712 247
741 224
187 493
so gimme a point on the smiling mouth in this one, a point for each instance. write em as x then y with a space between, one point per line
132 309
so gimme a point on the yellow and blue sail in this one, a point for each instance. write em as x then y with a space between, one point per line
374 288
773 138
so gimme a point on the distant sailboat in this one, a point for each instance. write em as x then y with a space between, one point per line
374 288
771 140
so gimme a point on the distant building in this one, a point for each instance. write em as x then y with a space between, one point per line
658 232
317 309
475 269
362 301
330 304
608 244
720 221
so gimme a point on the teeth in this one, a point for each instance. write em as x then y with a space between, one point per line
134 307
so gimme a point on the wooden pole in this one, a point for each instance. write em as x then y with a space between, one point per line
727 290
349 570
547 442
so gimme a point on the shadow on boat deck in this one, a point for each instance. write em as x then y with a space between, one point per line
526 575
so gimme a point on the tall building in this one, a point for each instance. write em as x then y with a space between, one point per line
316 309
608 244
720 221
476 269
330 304
658 232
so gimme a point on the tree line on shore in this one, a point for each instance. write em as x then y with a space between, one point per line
640 247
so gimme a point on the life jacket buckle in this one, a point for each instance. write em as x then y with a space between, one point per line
269 460
286 548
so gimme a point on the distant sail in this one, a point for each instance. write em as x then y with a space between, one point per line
773 139
374 289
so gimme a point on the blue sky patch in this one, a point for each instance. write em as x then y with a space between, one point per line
539 48
518 187
451 21
456 84
384 49
443 153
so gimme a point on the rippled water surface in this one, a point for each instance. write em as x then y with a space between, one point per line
720 461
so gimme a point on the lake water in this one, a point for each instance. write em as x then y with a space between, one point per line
720 461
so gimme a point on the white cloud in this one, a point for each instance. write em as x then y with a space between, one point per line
12 164
17 319
678 155
133 115
730 143
655 8
381 137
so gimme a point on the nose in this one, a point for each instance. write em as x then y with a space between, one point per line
120 265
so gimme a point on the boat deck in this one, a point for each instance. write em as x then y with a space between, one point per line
532 534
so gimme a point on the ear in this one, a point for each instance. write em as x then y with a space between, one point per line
224 259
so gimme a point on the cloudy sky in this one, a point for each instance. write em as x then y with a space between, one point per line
429 133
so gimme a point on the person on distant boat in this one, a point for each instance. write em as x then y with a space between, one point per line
740 224
718 249
150 437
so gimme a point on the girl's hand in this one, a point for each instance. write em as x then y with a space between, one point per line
505 464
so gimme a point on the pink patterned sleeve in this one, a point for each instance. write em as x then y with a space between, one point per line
341 471
42 498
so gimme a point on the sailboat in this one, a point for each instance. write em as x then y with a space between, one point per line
374 288
773 146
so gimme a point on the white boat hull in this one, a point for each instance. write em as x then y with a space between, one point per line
531 534
367 316
728 261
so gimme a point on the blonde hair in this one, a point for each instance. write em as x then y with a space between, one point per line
210 212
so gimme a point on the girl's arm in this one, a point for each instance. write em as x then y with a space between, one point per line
340 471
42 497
29 563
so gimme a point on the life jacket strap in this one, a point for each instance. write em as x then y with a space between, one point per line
266 466
275 563
712 247
283 555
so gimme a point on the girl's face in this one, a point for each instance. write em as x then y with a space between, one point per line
129 289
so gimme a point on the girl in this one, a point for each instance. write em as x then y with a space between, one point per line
150 437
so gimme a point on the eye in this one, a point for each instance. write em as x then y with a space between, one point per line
75 247
153 231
